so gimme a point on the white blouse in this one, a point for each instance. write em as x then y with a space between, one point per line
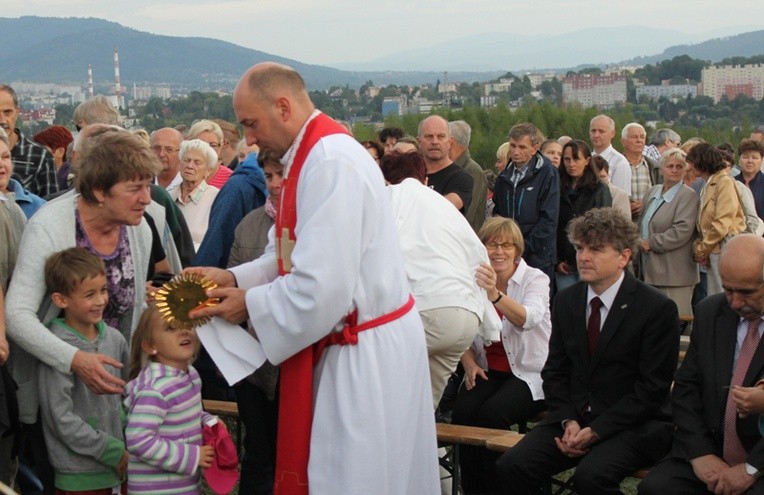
527 346
196 209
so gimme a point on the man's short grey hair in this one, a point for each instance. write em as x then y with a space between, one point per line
202 147
611 122
461 132
662 135
522 129
632 125
178 135
7 89
96 110
421 123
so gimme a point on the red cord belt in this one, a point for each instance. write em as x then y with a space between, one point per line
349 333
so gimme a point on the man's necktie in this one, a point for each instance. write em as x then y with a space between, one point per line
593 326
734 453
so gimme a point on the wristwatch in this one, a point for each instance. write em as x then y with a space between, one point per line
753 472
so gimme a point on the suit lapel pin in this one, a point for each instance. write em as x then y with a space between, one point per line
624 306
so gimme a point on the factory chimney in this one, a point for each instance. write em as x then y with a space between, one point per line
90 81
117 86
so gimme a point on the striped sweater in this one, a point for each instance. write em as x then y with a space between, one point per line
164 430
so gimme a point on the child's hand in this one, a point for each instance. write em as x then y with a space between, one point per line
206 456
121 468
748 400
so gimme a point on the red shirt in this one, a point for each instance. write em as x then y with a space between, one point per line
220 177
497 356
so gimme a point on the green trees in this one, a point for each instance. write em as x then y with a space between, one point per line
682 68
728 120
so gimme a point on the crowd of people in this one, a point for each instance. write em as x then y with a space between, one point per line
373 273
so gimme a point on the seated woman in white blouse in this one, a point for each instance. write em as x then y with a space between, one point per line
502 380
195 196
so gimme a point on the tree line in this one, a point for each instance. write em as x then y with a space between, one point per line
726 121
490 127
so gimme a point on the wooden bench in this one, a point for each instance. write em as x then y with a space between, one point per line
456 435
466 435
504 442
225 408
495 439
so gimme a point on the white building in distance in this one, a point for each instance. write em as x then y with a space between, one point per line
594 90
666 90
733 80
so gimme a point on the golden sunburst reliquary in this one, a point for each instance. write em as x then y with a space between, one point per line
183 293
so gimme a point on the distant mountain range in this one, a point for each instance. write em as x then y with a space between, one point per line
59 50
44 49
515 52
741 45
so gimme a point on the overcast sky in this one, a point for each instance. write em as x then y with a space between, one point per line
334 31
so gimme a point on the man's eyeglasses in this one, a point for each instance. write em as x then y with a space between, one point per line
167 149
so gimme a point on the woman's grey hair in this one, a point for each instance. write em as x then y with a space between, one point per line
673 153
200 146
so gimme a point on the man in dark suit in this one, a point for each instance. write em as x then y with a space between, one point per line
612 355
716 447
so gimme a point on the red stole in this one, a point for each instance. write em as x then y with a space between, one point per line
296 384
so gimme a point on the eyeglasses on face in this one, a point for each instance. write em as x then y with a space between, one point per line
167 149
496 245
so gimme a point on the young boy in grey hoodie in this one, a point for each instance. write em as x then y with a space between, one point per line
83 430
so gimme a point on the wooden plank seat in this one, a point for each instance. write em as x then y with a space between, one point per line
466 435
225 408
504 442
456 435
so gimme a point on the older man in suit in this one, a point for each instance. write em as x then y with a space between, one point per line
715 448
612 355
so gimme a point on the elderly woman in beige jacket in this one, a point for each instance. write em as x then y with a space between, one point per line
667 231
721 214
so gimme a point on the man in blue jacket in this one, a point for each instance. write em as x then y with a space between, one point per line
528 191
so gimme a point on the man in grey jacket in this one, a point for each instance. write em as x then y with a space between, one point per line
461 133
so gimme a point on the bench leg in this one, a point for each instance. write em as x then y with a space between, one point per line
456 475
